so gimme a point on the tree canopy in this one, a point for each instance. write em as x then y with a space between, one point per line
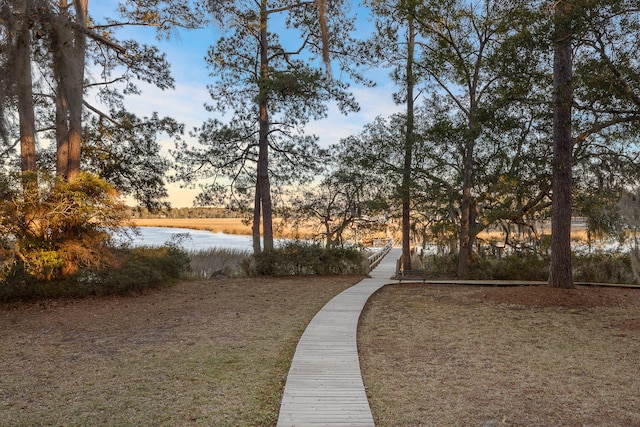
272 77
515 112
65 76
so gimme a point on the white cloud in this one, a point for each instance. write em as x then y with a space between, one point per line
373 102
185 103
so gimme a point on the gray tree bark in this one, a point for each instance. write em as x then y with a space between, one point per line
560 274
408 151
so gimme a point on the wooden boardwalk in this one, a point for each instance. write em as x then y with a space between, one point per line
324 385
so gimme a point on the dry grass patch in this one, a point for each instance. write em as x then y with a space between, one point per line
216 225
226 225
518 356
210 353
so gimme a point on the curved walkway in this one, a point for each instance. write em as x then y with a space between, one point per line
324 385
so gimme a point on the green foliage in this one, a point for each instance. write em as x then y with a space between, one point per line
62 229
603 267
134 270
598 267
602 213
126 153
299 258
43 263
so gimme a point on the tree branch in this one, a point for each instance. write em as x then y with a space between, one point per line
604 125
101 114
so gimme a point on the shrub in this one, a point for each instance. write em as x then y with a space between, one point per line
144 267
438 266
62 228
55 241
519 266
134 270
299 258
603 267
599 267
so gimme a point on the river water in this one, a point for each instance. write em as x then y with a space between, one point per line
189 239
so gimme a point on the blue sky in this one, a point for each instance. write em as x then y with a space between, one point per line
186 52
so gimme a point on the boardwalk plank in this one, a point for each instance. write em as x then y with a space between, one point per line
324 385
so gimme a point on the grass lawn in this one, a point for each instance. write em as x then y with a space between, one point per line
216 353
207 353
514 356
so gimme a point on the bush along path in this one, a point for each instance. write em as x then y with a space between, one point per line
324 385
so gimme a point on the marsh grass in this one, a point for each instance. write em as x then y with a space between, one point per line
228 226
216 262
216 225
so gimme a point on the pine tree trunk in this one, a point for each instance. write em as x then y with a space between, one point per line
263 180
26 114
62 136
68 63
408 152
263 155
560 274
60 44
76 89
255 227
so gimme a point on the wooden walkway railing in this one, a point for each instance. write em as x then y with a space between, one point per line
375 259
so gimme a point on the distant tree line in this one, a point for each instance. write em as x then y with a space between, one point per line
194 212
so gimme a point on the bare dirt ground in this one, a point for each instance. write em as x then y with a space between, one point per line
209 353
502 356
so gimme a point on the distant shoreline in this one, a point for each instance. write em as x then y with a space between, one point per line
215 225
236 226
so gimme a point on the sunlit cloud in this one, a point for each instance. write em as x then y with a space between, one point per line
185 103
373 102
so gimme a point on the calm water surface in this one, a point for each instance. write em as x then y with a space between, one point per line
191 239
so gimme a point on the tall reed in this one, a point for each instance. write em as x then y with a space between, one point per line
217 262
